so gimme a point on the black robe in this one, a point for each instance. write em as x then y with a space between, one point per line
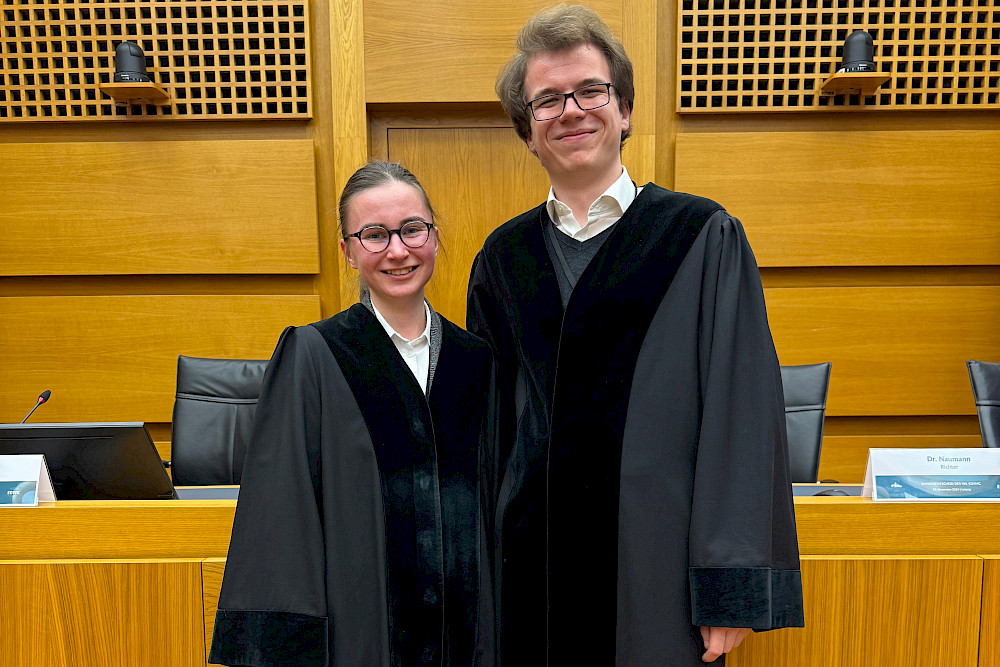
362 532
646 490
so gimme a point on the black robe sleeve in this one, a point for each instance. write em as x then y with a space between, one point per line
272 607
743 553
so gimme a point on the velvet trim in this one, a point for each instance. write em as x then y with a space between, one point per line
429 453
614 300
559 502
269 639
760 598
398 420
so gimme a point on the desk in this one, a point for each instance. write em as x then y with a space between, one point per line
136 583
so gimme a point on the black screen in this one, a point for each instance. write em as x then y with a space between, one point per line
94 461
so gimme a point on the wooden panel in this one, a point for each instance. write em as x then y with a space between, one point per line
853 198
447 50
744 55
859 527
158 207
219 59
212 570
895 350
863 612
844 457
989 634
114 358
144 613
119 529
476 178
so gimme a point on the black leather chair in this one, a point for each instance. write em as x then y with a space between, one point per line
985 378
213 414
805 388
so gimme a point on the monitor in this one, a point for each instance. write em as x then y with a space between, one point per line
94 461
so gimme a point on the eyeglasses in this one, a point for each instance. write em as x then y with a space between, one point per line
376 238
589 97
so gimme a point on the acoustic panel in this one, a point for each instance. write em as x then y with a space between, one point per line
159 207
853 198
114 358
760 55
215 58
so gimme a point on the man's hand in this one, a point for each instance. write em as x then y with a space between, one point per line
721 640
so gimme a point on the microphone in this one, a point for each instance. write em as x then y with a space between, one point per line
42 397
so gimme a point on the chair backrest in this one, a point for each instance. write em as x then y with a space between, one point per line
985 378
805 388
213 414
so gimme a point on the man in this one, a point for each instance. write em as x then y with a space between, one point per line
644 514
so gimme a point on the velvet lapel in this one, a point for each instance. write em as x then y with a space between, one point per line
606 320
530 294
459 400
399 422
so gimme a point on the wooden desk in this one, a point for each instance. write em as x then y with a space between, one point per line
136 583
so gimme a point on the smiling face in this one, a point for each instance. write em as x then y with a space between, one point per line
396 276
578 144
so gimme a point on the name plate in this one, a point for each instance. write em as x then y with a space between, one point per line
938 475
24 480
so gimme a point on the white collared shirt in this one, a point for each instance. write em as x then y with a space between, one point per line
604 212
417 352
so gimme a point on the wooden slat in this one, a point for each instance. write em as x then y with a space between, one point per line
853 526
477 179
989 634
844 457
447 50
117 529
114 358
199 207
853 198
878 611
212 570
895 350
90 614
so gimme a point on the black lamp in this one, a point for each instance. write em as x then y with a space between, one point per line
859 53
130 63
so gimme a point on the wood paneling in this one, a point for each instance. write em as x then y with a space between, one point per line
212 570
198 207
119 529
878 611
895 350
989 634
853 198
447 50
476 179
844 457
98 613
852 526
114 358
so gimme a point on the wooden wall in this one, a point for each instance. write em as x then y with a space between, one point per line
125 241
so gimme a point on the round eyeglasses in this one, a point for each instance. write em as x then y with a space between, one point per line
589 97
376 238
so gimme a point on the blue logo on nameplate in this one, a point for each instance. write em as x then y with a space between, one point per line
972 487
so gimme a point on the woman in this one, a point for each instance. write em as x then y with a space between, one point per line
360 535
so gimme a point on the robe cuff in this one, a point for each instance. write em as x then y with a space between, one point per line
269 639
746 597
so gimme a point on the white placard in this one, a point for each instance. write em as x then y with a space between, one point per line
24 480
935 475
